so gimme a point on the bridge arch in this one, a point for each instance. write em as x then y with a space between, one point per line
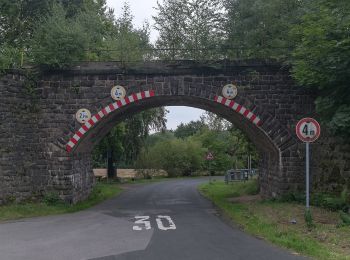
102 122
90 133
265 130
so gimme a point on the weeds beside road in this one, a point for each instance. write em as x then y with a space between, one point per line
51 205
281 223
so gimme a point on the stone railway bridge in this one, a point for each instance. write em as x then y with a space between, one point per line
43 148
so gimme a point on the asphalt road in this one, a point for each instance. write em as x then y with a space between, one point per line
166 220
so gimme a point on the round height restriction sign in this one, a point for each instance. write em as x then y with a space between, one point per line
308 130
230 91
118 92
83 115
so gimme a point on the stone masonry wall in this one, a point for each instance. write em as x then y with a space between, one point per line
37 122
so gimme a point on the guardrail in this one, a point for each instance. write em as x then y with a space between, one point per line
239 175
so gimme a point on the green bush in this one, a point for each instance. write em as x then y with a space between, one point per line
252 187
317 199
345 218
329 202
323 200
177 157
293 197
333 204
345 195
52 199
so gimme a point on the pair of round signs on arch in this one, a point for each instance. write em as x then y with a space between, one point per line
83 115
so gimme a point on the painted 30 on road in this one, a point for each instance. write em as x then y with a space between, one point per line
164 223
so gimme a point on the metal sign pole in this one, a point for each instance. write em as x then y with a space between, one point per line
308 130
209 162
307 175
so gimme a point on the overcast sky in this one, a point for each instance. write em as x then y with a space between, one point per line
143 11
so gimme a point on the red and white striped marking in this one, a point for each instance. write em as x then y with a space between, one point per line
147 94
239 109
103 113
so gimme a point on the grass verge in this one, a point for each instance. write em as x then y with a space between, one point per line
273 221
101 192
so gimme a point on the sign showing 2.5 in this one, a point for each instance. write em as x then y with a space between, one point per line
308 130
83 115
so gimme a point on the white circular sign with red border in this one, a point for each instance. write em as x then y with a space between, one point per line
308 130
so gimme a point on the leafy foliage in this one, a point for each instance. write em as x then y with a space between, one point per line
260 28
52 199
321 60
183 153
323 200
59 41
58 33
17 19
189 29
126 43
345 218
230 148
9 57
215 122
186 130
177 157
126 139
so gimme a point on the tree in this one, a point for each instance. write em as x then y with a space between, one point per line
113 141
215 122
177 157
17 18
158 137
185 130
58 33
126 43
189 29
59 41
260 28
126 139
321 60
229 150
138 128
9 57
174 152
24 32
